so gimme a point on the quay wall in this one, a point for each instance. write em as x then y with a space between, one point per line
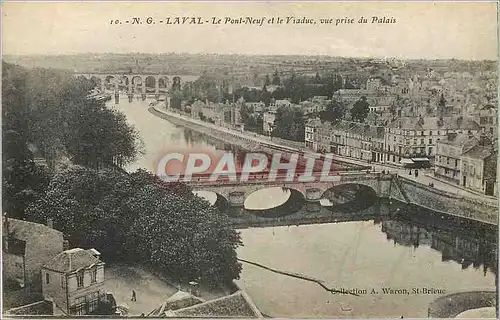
451 305
448 203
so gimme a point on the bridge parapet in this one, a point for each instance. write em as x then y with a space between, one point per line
236 192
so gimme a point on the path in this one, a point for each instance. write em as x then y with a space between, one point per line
151 290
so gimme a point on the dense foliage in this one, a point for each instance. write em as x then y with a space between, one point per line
137 218
360 110
46 115
334 111
289 124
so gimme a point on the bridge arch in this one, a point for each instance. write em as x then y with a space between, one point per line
137 83
350 196
150 83
110 82
163 83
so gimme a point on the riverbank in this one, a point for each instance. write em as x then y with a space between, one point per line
252 143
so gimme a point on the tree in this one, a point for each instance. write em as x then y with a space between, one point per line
276 79
317 78
360 110
334 111
289 124
267 81
265 96
102 137
47 111
136 217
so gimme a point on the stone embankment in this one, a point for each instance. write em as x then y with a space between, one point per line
445 202
451 305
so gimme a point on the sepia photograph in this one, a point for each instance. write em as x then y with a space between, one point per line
225 159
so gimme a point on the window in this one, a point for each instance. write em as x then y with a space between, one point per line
430 150
456 162
421 133
447 160
63 281
47 278
430 141
422 141
79 278
93 275
415 141
439 133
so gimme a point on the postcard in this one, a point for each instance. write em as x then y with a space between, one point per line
250 159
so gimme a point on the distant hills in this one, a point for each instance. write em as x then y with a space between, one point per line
232 65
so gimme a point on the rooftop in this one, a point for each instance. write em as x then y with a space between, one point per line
237 304
479 152
434 123
72 260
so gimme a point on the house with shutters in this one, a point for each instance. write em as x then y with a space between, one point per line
74 281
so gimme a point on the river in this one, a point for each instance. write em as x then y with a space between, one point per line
395 255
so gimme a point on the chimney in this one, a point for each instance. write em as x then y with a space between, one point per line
50 223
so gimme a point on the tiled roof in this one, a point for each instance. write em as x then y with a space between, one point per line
478 152
235 305
313 122
72 260
434 123
360 129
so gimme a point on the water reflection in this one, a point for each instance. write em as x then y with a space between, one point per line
390 252
460 245
268 198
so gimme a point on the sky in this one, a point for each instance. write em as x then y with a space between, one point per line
422 30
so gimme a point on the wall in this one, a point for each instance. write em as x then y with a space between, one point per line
445 202
73 283
451 305
38 253
13 267
54 289
38 308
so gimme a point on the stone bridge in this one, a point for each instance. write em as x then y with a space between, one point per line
237 192
140 83
384 185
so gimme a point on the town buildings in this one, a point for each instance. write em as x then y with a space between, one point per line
487 117
27 246
345 138
74 281
448 160
416 137
478 168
